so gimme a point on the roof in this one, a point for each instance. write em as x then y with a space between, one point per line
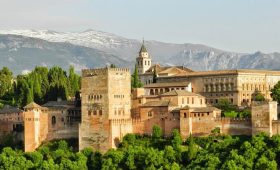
161 103
59 104
143 49
7 109
167 84
180 93
168 69
201 109
172 70
32 105
226 72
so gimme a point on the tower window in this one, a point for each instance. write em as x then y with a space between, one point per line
53 120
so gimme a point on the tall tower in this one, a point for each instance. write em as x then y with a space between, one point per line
106 108
144 61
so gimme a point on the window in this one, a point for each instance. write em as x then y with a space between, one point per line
183 102
139 101
192 100
200 101
94 112
100 112
53 120
150 114
185 115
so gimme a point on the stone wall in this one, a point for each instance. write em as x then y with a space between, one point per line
35 129
106 106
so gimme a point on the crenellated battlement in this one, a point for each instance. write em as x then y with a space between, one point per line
227 120
136 120
120 121
102 71
120 69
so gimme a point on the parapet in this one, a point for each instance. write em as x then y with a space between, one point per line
227 119
102 71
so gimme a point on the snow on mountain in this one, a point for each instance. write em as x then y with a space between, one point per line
113 47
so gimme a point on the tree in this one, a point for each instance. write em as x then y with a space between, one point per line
231 114
6 84
113 66
225 105
191 148
176 139
216 131
157 132
155 75
259 97
73 82
136 83
275 92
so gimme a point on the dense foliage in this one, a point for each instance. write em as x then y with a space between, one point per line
155 152
40 85
231 111
275 92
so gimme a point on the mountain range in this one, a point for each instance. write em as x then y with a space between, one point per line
22 50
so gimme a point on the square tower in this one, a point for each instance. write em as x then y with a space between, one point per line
106 105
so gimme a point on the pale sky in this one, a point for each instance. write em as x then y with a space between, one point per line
232 25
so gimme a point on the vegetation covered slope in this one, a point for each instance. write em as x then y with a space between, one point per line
155 152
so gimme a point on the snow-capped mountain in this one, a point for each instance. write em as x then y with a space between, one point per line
97 48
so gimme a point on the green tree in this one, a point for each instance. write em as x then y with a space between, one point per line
73 82
155 75
191 148
157 133
176 139
136 83
259 97
275 92
113 66
6 81
225 105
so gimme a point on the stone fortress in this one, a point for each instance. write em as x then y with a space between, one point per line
172 97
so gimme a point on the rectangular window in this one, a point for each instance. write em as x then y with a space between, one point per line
192 100
183 102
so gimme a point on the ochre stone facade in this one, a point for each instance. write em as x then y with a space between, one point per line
106 108
54 120
180 99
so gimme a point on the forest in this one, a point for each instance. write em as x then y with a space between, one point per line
40 85
154 152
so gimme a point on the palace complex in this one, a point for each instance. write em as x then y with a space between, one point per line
173 97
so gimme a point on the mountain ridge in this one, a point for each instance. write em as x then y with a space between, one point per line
107 48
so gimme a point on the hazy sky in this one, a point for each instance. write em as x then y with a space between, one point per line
233 25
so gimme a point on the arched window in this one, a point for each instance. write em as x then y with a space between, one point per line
53 120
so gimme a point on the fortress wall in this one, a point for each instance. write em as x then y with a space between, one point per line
95 133
119 128
276 127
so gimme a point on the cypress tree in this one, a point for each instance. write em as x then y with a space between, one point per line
135 78
155 75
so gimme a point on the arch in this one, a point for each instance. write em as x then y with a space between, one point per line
151 92
53 120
